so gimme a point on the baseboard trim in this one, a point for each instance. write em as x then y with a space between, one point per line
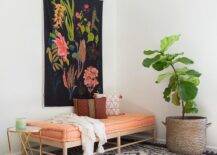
209 147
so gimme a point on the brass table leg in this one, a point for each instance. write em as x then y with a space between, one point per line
23 144
27 135
24 136
40 142
9 142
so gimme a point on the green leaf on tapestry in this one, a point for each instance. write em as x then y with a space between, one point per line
82 29
70 29
55 58
168 41
90 37
97 39
55 53
67 24
53 1
48 50
58 66
72 7
54 68
61 61
87 29
53 46
69 8
69 18
75 56
55 65
50 56
149 61
187 90
67 61
52 35
184 60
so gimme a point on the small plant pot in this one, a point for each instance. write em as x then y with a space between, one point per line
186 136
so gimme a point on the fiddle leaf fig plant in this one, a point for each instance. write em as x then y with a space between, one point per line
183 82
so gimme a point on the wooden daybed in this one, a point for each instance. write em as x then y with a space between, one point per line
67 136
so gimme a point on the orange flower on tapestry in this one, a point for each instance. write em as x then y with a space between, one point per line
58 15
61 45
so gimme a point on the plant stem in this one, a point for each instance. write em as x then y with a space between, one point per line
183 105
174 70
183 110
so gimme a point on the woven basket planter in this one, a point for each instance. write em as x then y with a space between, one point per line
186 136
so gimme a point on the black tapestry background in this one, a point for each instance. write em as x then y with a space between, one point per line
73 50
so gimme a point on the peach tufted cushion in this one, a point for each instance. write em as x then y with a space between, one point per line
113 124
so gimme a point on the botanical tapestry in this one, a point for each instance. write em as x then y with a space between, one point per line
73 50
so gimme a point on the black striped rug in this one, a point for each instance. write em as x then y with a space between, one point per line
148 149
137 149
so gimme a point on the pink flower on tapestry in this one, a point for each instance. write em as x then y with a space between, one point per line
62 46
86 6
78 15
90 78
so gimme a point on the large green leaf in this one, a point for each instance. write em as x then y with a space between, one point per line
190 107
168 41
161 77
171 57
173 82
172 86
193 79
187 90
182 71
167 92
175 98
149 61
150 52
184 60
193 73
160 65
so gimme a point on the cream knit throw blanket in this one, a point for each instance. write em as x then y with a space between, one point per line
90 129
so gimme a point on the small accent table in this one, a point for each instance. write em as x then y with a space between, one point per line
24 137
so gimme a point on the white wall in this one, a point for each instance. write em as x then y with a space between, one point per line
129 27
21 50
141 24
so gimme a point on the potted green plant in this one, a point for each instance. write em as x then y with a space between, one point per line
184 134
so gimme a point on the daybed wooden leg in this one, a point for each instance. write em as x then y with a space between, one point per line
119 144
65 150
154 135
